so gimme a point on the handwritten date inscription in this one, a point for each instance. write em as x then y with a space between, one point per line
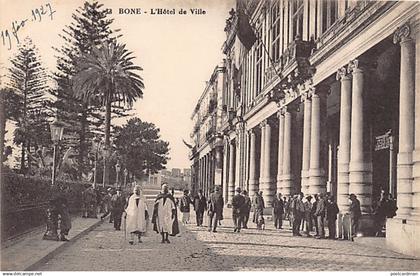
9 36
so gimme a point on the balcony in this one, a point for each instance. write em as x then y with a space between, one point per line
293 67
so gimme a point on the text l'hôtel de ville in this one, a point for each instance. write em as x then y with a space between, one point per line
158 11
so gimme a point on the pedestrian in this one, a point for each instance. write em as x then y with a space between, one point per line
392 207
62 207
380 213
258 205
136 215
320 213
164 218
313 216
278 209
107 205
332 212
200 205
298 211
237 209
308 215
184 207
89 203
118 203
355 213
215 209
246 209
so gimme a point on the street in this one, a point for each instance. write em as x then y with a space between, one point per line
105 249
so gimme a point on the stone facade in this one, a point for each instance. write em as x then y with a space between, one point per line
307 103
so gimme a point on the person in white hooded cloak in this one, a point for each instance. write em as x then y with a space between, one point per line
136 215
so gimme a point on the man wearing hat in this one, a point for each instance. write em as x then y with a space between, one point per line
118 205
238 202
308 215
215 208
355 213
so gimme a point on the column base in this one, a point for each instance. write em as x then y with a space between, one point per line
317 183
279 184
268 189
288 185
231 192
253 185
360 178
402 236
305 182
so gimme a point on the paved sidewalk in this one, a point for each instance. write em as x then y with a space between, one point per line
31 249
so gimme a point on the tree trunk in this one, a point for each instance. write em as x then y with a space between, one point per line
82 142
22 159
2 133
107 146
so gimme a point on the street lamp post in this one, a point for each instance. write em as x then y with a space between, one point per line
117 170
57 130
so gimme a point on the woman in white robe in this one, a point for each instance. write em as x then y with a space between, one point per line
136 215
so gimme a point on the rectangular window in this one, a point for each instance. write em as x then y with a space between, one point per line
258 63
297 18
329 14
275 32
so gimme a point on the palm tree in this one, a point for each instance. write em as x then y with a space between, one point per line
108 74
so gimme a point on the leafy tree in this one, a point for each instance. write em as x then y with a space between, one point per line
108 75
28 81
89 28
140 147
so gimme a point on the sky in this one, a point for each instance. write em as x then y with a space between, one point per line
177 52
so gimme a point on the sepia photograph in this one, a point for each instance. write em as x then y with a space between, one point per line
196 136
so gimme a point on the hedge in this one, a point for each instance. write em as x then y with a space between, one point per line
24 201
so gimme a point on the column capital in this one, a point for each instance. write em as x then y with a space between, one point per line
305 96
319 90
360 65
263 123
343 74
402 33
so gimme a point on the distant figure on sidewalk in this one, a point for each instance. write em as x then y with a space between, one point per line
298 211
107 205
320 212
200 205
246 209
313 216
278 210
184 207
136 215
380 213
118 203
64 215
355 214
215 209
332 212
165 220
238 202
308 215
258 204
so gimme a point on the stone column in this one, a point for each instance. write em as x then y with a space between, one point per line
262 127
415 214
238 161
406 122
266 183
225 170
231 183
218 166
288 186
253 181
316 172
307 110
280 116
360 167
344 142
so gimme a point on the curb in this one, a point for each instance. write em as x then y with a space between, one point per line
61 248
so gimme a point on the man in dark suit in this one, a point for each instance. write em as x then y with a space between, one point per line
238 202
215 209
200 205
278 210
246 209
